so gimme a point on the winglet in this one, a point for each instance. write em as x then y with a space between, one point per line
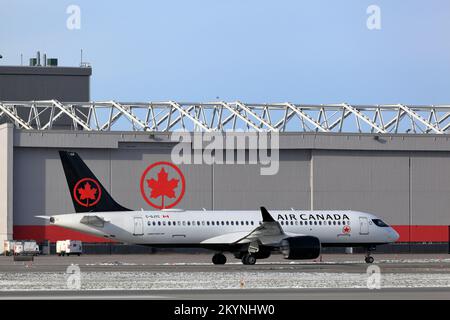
266 215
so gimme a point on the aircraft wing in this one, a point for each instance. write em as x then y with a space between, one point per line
268 233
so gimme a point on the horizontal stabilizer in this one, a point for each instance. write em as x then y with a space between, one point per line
95 221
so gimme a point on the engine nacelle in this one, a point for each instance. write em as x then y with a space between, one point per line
302 247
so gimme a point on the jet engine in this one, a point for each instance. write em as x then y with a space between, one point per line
302 247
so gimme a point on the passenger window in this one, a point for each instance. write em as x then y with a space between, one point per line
203 223
227 223
315 223
159 223
246 223
164 223
207 223
232 222
292 223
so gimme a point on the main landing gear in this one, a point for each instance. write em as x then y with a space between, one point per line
219 258
369 258
248 259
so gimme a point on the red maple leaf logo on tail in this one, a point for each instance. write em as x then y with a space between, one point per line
163 187
87 193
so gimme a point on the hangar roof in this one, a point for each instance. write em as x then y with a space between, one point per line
221 116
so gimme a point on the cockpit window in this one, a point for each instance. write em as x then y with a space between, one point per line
379 223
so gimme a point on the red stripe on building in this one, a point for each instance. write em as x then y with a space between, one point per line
52 233
423 233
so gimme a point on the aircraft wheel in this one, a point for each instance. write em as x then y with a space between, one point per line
219 258
249 259
369 259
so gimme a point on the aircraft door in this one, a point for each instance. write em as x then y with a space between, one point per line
138 226
363 226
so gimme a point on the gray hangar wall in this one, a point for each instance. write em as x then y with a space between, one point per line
403 179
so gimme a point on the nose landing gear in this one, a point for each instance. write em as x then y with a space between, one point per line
219 258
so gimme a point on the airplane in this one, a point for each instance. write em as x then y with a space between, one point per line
248 235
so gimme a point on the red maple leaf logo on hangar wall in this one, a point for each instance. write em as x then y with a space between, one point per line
163 187
168 183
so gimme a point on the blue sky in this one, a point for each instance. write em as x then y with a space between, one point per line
249 50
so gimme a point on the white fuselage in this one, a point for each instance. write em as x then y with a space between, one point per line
186 228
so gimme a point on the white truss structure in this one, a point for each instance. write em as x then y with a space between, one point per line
226 116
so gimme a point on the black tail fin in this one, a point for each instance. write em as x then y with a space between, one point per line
88 194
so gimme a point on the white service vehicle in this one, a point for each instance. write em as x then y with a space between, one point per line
68 247
25 247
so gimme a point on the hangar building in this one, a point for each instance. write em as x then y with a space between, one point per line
390 160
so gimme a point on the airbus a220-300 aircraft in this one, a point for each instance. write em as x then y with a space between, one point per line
249 235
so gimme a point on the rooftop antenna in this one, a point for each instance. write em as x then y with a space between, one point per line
81 58
21 59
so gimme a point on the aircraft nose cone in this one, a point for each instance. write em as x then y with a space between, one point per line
394 235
